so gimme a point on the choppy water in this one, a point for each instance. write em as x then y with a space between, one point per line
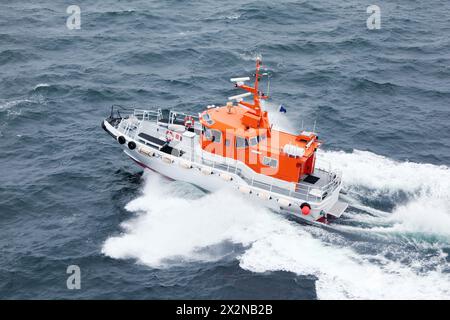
68 196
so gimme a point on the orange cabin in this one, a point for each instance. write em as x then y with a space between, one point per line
234 132
243 132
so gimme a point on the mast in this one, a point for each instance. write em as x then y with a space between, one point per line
257 95
255 107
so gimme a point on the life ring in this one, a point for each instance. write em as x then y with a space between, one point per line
305 208
121 139
188 122
131 145
169 135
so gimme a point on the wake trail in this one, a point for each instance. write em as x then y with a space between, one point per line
176 223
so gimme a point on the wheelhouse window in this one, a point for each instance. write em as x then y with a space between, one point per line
262 137
207 118
207 133
253 141
241 142
216 136
212 134
271 162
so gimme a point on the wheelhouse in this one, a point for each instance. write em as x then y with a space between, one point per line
242 132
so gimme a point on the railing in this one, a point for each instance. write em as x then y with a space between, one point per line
302 191
147 115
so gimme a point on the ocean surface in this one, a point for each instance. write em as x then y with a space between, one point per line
68 196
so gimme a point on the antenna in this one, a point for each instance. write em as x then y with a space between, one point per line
257 96
314 129
268 82
239 97
255 106
241 79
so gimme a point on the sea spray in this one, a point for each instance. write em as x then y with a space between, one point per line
170 228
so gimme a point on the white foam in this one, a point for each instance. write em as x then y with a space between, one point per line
427 186
424 215
250 56
341 272
363 168
41 85
233 16
11 104
170 228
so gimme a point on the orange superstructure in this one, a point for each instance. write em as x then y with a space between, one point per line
243 132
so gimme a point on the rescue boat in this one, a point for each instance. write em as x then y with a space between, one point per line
233 145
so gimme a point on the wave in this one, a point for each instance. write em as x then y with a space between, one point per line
380 174
41 85
7 105
176 223
426 207
249 55
15 56
423 217
342 272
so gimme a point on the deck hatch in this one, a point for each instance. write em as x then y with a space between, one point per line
311 179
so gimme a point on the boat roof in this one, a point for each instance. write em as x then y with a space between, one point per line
233 119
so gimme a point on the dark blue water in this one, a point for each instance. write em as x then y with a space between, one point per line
68 196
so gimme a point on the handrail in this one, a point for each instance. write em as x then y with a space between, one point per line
302 191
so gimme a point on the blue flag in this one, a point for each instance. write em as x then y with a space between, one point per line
282 109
